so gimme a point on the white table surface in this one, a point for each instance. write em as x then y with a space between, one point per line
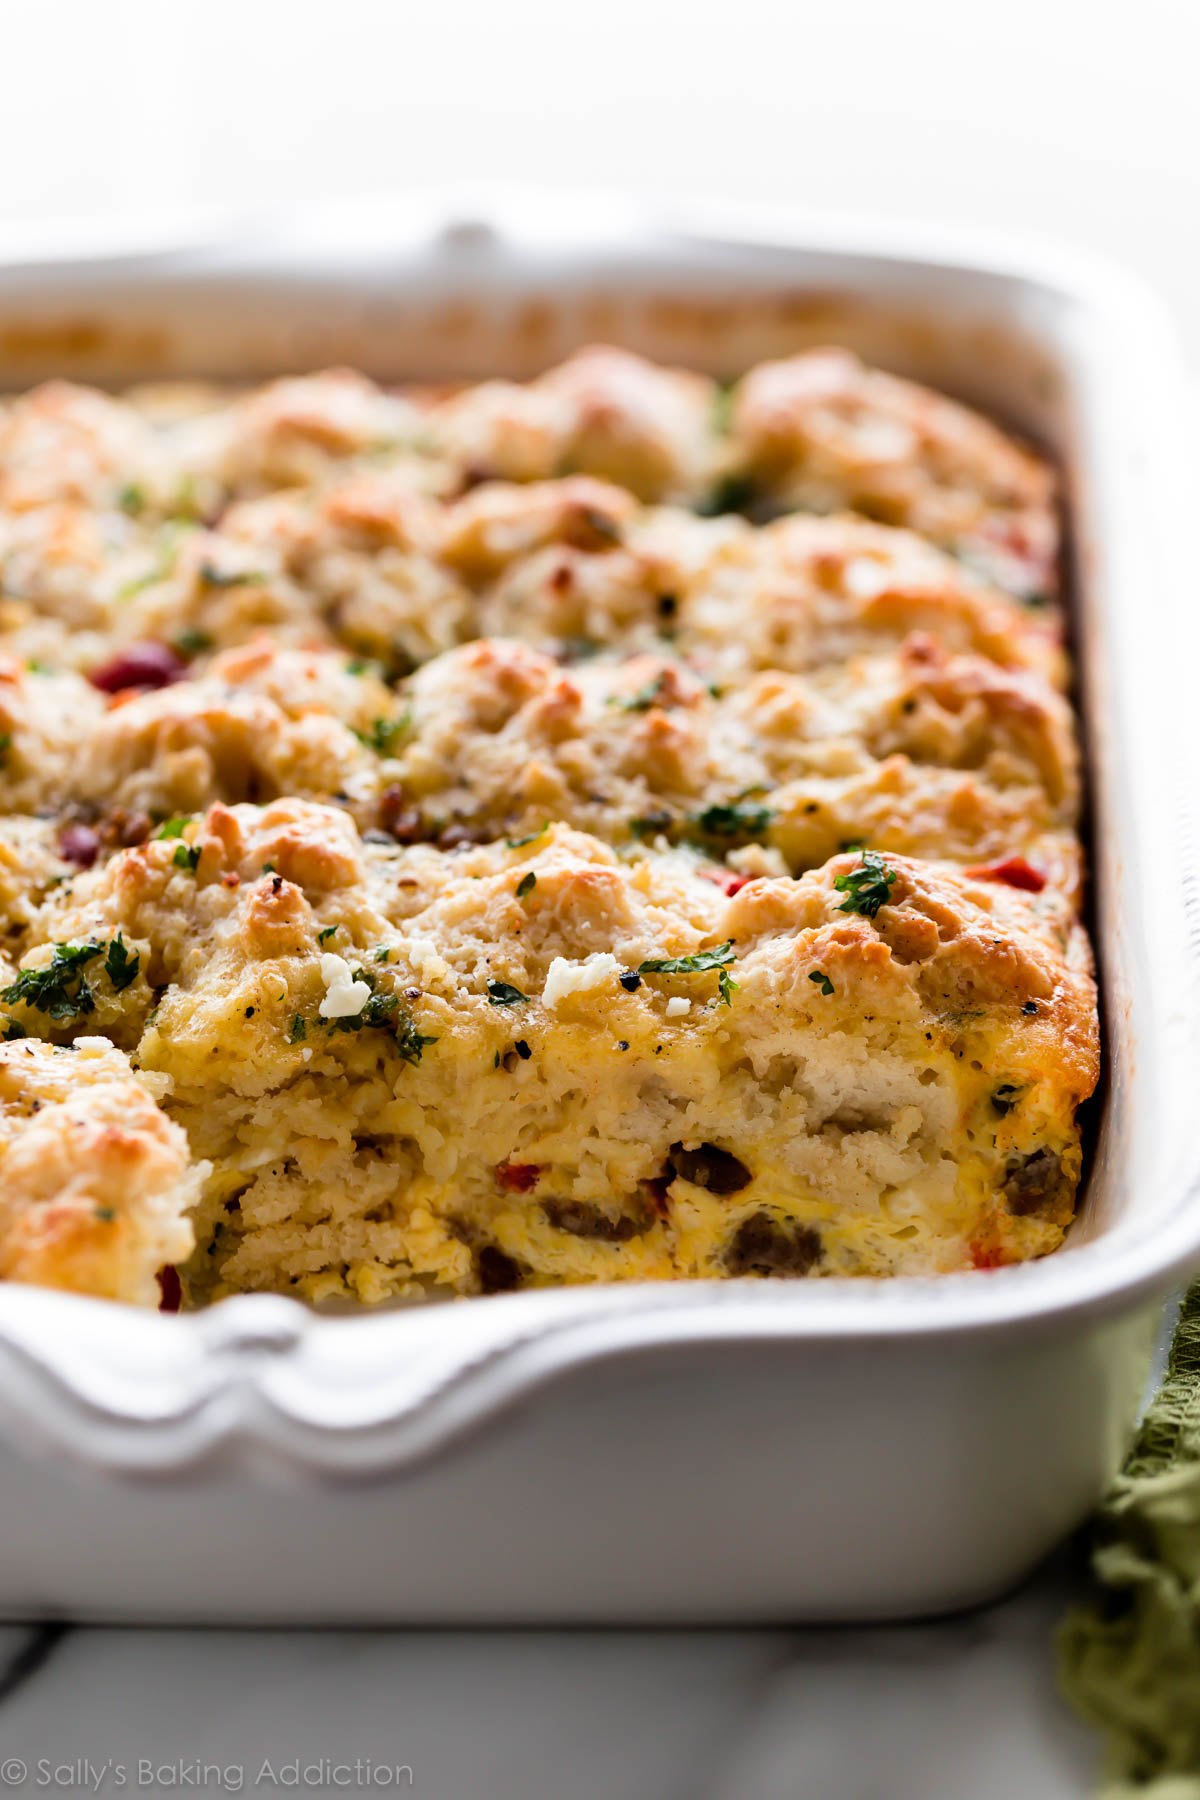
1046 116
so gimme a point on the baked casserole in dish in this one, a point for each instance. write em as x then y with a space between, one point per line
615 826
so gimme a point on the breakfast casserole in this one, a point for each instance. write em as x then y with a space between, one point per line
612 827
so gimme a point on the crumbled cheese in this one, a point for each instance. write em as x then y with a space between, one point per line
428 963
758 859
677 1006
563 977
343 995
863 577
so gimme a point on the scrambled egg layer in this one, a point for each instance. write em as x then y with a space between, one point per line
445 848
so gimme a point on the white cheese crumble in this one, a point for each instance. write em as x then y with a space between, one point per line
563 977
344 997
677 1006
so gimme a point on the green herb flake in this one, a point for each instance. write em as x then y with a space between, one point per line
298 1030
210 576
646 697
732 493
326 932
174 828
193 641
526 885
120 967
866 888
722 409
822 980
735 819
383 1012
651 825
131 498
699 963
186 857
383 953
13 1029
383 733
5 744
502 993
520 843
58 988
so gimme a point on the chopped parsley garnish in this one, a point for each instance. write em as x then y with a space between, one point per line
192 641
106 1214
651 825
131 498
5 744
384 732
526 885
58 988
298 1030
578 649
383 953
722 410
733 493
735 819
520 843
186 857
13 1029
209 576
173 828
866 888
700 962
326 932
502 993
120 967
382 1012
822 980
646 697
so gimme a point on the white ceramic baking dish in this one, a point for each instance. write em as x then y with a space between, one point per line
740 1451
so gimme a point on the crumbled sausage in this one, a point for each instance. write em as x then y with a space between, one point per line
1033 1182
498 1273
766 1245
711 1168
79 844
400 820
580 1219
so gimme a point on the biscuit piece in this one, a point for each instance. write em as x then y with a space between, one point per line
795 595
822 431
95 1180
913 751
610 1071
604 412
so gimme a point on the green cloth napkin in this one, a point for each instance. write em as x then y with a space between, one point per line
1130 1652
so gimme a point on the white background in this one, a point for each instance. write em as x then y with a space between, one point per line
1076 119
